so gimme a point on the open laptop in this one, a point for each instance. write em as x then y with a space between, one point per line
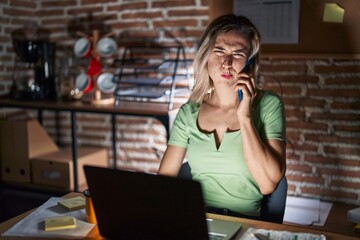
132 205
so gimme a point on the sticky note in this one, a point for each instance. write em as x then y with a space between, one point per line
58 223
72 204
333 13
357 227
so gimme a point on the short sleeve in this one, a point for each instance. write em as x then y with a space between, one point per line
179 134
273 118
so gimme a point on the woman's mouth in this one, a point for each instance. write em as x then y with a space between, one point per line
226 75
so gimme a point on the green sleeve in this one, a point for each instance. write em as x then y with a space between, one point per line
179 133
273 118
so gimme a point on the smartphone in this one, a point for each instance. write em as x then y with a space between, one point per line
248 67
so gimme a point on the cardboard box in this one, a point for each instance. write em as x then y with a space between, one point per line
56 169
21 140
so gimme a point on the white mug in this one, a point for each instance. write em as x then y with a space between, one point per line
105 82
82 47
106 47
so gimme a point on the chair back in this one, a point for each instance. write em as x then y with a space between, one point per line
272 205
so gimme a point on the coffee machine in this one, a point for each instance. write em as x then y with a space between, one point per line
34 67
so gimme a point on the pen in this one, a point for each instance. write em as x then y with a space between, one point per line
260 236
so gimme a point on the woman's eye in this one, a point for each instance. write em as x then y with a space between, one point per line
218 52
239 55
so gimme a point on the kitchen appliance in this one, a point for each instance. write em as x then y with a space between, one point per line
34 67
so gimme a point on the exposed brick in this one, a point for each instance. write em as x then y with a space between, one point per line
342 81
83 10
295 114
174 3
284 68
128 6
345 105
83 136
293 135
183 33
325 138
52 21
305 146
299 168
321 94
342 150
333 92
348 128
62 3
307 125
19 3
142 15
18 12
345 184
85 2
188 12
137 121
304 178
338 161
175 23
337 69
291 79
329 193
50 12
4 20
128 25
304 102
335 116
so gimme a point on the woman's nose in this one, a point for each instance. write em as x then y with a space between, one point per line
227 62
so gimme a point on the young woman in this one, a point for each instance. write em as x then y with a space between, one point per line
235 145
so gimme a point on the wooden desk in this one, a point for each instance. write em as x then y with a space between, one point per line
337 221
159 111
247 223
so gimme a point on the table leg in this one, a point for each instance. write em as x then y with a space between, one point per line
113 132
74 149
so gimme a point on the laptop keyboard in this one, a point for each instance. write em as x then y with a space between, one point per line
216 236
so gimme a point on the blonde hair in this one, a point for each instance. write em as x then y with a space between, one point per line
203 84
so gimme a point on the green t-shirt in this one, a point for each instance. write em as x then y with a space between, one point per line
223 173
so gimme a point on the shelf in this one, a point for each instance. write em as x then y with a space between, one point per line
151 72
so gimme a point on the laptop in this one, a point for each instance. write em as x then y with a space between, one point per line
133 205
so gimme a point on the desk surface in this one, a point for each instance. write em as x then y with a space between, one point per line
247 223
124 107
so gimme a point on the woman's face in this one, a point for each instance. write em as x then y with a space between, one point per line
228 57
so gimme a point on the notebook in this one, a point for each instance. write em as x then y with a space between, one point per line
133 205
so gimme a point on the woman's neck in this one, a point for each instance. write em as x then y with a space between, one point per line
223 98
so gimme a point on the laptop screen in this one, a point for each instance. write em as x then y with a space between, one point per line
131 205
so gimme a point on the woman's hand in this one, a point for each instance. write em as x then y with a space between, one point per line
245 83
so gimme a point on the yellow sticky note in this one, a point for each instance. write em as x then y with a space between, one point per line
72 204
58 223
333 13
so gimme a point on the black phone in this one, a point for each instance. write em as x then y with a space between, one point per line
249 65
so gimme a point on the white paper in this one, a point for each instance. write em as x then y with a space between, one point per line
303 211
276 20
325 208
283 235
33 224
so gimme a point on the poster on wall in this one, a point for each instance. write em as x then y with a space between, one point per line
276 20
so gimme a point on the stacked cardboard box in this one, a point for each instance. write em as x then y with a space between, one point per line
29 155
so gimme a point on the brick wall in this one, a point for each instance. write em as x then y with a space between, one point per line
321 93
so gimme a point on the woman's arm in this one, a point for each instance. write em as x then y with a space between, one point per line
266 160
172 161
